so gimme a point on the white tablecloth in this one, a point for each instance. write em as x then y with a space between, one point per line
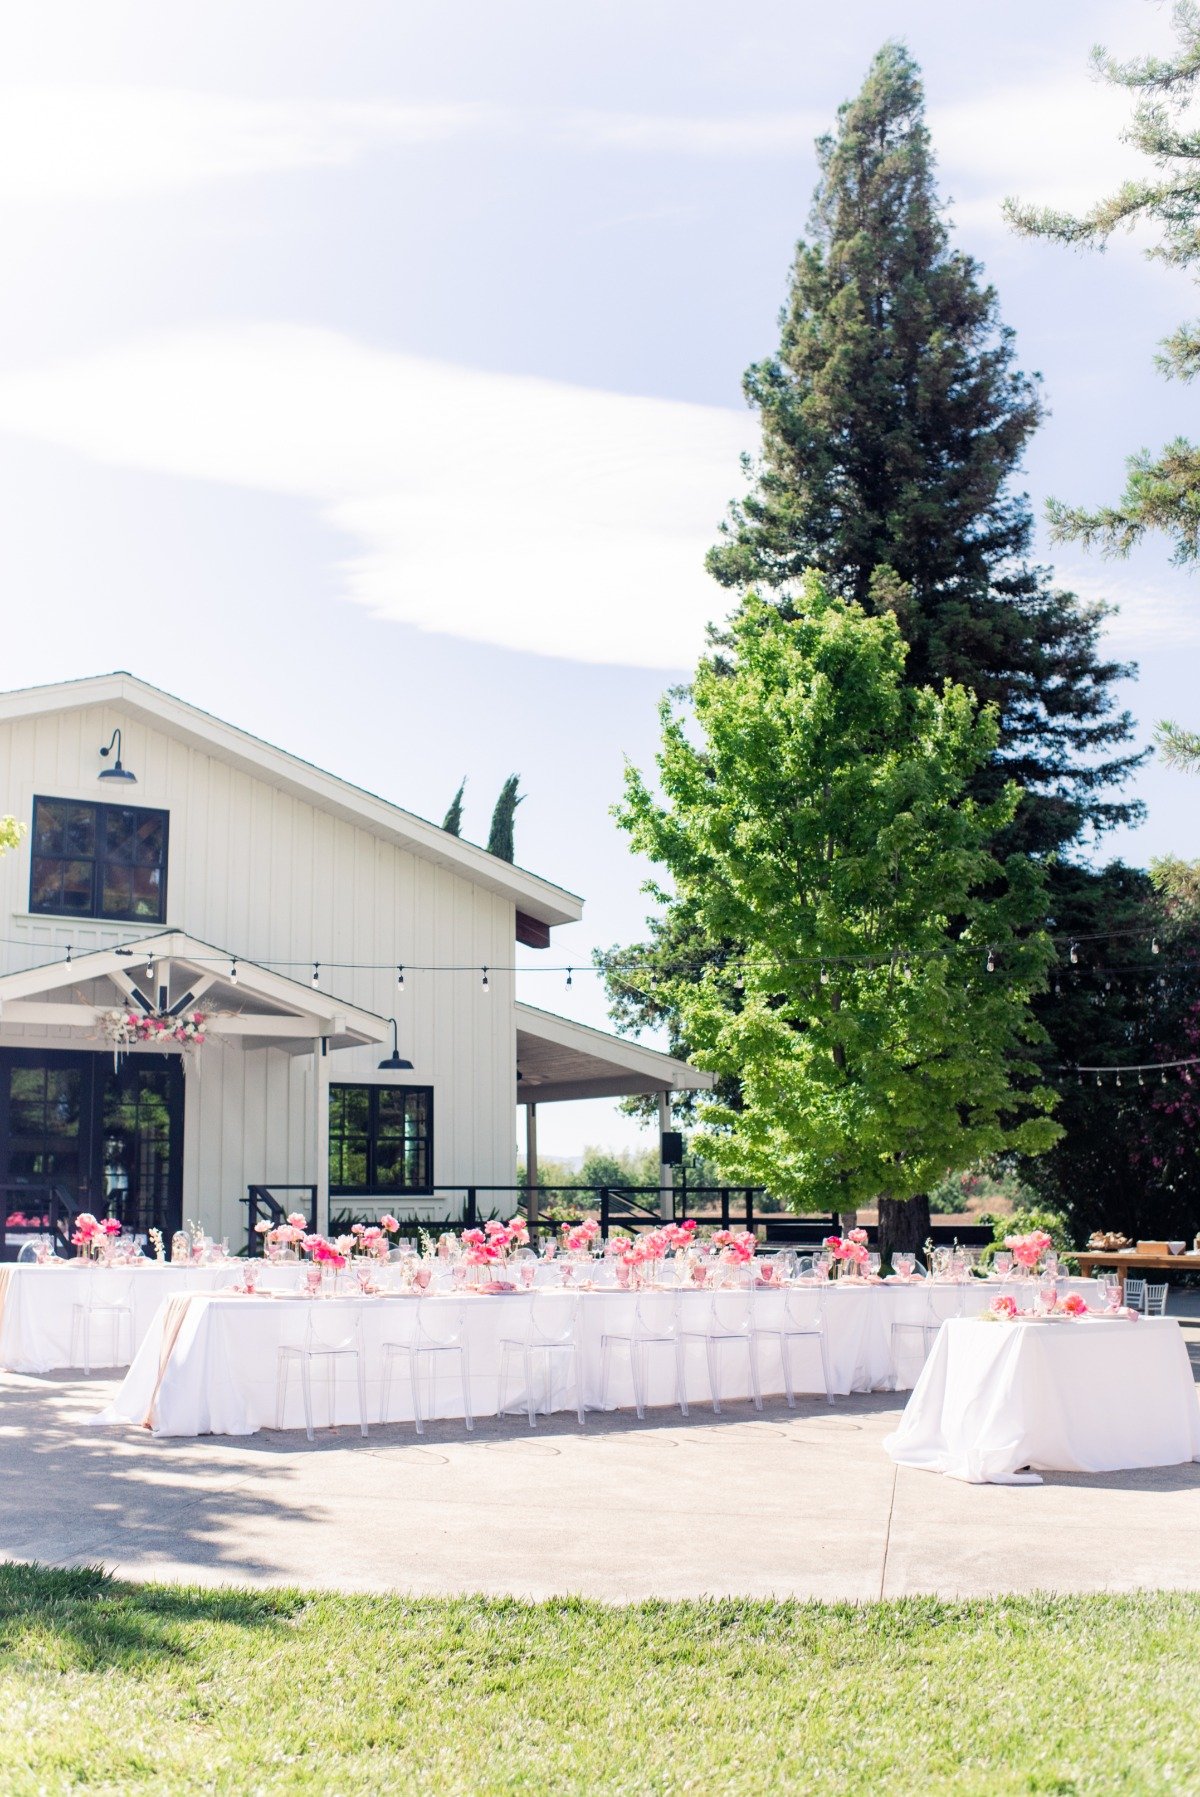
1095 1396
39 1306
222 1369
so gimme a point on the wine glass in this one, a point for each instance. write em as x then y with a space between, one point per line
1003 1263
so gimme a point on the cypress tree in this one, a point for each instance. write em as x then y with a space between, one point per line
500 837
894 417
453 818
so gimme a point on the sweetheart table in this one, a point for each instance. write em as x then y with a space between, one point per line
210 1367
999 1400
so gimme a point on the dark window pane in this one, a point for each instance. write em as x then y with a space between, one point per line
150 834
48 828
120 833
147 892
45 889
79 830
77 880
62 1101
118 892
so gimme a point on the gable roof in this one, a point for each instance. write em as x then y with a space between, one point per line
123 692
263 1009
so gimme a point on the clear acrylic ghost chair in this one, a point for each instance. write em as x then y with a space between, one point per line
436 1330
332 1334
108 1301
1154 1300
801 1319
654 1324
549 1334
942 1303
1135 1293
729 1322
28 1251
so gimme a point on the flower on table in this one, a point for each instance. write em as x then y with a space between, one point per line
1003 1306
297 1220
858 1236
389 1223
1074 1305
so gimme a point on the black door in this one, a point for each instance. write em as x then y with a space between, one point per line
110 1140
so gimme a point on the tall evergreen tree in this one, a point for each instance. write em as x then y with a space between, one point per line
453 818
500 837
894 417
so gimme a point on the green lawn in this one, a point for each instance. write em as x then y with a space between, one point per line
125 1687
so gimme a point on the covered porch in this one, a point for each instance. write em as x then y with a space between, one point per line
97 1113
559 1060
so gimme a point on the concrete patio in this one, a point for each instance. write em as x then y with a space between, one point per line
786 1504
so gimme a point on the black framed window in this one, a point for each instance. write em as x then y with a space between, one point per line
99 861
380 1139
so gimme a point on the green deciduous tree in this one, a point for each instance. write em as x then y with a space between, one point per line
454 816
501 836
894 417
824 819
1162 491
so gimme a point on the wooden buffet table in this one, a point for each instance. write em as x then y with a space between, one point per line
1136 1263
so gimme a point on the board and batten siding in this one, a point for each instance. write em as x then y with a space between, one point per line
275 879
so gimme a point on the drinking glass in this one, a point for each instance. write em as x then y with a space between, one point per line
874 1262
904 1264
312 1279
1003 1263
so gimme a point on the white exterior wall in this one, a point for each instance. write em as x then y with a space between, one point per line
275 879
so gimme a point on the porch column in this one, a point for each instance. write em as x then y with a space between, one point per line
321 1132
666 1175
531 1166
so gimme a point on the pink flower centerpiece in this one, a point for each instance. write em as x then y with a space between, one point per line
92 1235
577 1238
850 1251
1027 1250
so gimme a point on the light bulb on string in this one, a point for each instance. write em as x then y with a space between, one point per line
1162 1078
739 981
1118 1079
399 979
991 960
907 970
484 981
1154 946
233 972
569 980
149 967
1187 1074
1099 1081
1074 954
1141 1077
824 976
68 954
316 974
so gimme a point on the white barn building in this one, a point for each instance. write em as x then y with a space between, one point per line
173 864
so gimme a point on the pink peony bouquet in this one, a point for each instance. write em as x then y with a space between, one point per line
849 1250
1003 1307
323 1252
93 1234
1027 1250
738 1246
577 1238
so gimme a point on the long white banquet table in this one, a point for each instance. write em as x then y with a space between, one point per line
213 1369
1000 1402
38 1306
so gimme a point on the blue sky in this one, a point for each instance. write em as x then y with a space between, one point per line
370 374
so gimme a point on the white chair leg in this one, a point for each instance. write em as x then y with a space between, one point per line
385 1388
465 1365
414 1374
281 1385
605 1362
577 1369
306 1395
530 1394
825 1367
713 1374
681 1376
362 1393
752 1350
635 1367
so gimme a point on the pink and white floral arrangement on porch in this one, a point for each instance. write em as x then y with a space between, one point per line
127 1029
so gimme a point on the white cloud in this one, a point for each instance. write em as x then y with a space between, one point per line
502 508
96 143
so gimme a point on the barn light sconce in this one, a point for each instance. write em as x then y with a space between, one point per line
116 772
394 1063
